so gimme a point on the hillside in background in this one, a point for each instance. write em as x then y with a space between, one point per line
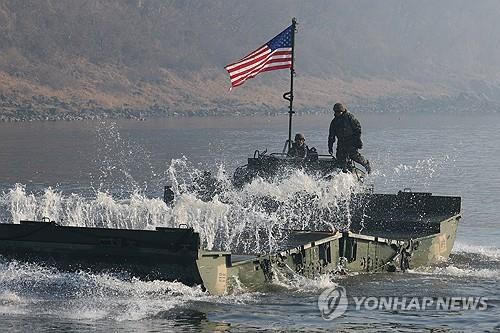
85 58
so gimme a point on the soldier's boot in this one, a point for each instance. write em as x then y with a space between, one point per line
357 157
368 167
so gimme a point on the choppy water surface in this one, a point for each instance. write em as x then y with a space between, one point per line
112 173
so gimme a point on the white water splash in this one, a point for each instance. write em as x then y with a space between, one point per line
423 169
123 166
11 303
31 288
137 212
299 283
451 270
251 219
419 174
489 252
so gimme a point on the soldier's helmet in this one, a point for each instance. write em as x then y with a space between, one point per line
338 107
299 136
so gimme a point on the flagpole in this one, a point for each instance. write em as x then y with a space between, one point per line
289 95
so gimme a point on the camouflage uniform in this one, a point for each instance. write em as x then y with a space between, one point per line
348 131
297 149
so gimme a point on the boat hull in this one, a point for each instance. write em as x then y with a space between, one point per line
387 233
167 253
336 253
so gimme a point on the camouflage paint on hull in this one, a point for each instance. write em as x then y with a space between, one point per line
333 253
388 232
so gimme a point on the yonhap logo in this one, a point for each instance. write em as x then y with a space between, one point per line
332 302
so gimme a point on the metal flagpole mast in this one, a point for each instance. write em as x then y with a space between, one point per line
289 95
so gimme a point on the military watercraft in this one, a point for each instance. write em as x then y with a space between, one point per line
388 233
277 164
384 233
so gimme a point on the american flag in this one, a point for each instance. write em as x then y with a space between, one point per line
275 54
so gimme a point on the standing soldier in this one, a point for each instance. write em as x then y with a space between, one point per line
348 132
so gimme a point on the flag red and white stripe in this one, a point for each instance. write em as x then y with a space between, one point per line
274 55
261 60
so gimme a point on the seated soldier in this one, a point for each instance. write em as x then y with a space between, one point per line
299 148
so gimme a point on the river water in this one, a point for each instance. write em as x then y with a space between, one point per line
110 174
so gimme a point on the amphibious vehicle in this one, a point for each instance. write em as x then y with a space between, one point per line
386 233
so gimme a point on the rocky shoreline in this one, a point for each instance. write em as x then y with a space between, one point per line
50 108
